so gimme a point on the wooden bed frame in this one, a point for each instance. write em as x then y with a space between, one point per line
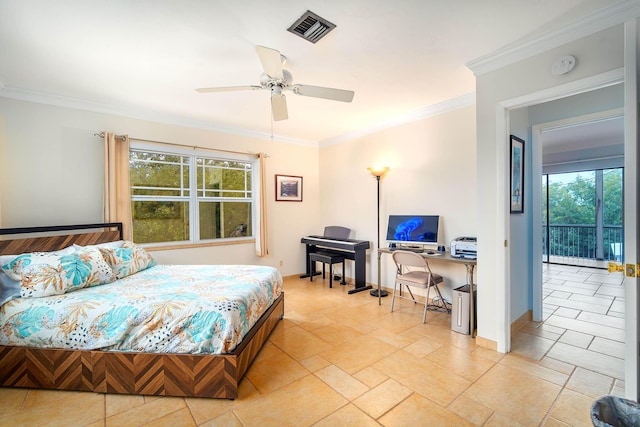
192 375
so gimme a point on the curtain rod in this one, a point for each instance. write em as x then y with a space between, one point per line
195 147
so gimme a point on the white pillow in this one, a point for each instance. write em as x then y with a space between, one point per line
128 259
106 245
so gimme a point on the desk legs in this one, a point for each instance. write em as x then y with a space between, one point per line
379 293
470 270
472 326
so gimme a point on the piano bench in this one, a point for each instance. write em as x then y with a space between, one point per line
330 258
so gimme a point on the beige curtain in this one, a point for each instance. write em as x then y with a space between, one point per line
117 189
262 241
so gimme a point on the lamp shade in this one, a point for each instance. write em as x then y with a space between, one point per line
378 170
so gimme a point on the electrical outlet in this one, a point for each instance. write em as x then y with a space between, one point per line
281 263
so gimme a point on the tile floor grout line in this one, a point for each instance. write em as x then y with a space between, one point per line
236 416
104 421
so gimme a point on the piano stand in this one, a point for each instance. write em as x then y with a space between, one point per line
362 288
354 250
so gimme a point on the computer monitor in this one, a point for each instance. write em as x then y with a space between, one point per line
413 229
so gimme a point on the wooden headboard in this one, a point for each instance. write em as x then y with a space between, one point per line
53 238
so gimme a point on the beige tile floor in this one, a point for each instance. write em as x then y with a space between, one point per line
341 360
583 324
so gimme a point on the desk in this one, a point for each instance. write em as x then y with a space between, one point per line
470 265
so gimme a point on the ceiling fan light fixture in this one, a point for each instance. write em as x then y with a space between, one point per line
311 27
277 79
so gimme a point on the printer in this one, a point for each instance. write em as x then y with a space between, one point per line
464 247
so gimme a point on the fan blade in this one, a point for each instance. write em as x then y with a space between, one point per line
279 107
271 62
324 92
227 88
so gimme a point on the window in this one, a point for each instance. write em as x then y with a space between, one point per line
191 197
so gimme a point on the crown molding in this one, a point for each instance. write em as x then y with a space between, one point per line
423 113
589 24
134 113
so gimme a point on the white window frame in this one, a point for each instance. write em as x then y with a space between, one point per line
194 223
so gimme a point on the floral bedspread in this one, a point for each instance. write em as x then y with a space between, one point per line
164 309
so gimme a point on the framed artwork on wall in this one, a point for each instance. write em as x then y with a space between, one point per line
288 188
516 181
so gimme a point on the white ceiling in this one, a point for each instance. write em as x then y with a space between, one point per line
144 58
583 136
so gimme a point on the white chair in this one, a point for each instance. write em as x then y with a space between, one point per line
412 270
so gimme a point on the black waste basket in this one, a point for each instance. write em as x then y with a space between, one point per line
615 411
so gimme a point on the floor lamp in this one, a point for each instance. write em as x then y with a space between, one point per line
378 173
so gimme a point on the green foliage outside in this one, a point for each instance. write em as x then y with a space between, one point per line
574 203
161 190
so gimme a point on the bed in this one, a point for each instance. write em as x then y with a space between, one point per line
149 364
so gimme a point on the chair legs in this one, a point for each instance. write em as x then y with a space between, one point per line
397 285
393 295
426 303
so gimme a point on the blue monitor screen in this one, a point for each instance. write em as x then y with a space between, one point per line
417 229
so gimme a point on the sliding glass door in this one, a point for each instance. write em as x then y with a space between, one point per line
582 217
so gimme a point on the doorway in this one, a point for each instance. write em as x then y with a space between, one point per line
627 75
581 321
519 112
576 144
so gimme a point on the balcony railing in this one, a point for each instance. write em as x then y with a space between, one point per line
579 241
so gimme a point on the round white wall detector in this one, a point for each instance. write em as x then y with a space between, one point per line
563 65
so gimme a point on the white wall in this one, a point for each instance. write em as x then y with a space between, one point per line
596 54
432 171
51 172
520 226
3 156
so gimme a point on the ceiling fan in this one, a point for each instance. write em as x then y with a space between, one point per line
277 80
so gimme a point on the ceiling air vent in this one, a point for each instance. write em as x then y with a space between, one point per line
311 27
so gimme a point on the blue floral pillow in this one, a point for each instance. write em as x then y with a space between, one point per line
45 274
12 265
127 259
